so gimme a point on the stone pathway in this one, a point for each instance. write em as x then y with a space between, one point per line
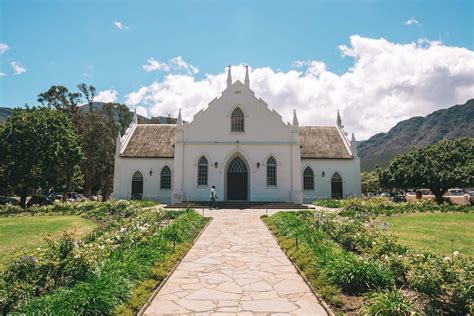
235 268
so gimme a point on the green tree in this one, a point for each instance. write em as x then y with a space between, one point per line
369 182
60 98
40 148
437 167
88 92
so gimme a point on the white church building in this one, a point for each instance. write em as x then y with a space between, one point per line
240 146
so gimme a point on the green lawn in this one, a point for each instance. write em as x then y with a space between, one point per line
434 231
29 231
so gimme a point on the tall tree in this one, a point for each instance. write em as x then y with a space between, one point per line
369 182
60 98
88 92
40 148
437 167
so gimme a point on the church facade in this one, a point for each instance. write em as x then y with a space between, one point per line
241 147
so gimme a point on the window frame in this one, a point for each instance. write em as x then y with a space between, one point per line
237 121
308 176
162 175
272 172
203 171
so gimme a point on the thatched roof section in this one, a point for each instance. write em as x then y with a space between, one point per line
322 142
151 141
157 140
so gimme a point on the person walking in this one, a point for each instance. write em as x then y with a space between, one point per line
212 203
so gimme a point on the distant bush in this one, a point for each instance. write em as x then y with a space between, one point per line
330 203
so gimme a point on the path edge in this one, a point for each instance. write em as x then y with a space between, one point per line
162 283
320 300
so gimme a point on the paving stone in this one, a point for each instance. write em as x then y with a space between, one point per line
235 268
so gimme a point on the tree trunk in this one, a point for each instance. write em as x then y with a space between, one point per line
438 193
23 195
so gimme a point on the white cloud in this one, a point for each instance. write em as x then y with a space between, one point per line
17 68
175 64
142 111
154 65
388 82
106 96
3 48
120 25
2 74
411 21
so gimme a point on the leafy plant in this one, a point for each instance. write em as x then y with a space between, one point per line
387 303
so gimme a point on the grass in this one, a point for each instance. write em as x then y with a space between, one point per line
434 232
28 232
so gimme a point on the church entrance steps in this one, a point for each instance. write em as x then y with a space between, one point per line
240 205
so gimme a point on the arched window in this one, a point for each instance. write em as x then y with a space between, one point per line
271 172
165 178
308 179
336 186
202 171
137 186
237 121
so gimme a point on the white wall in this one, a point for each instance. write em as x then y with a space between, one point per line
347 168
126 167
251 154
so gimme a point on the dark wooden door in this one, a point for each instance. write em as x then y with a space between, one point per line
237 180
237 186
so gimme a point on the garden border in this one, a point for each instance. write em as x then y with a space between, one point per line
162 283
321 301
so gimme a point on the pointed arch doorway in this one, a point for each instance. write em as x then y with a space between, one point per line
237 180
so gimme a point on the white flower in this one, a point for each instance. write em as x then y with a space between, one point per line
456 253
447 259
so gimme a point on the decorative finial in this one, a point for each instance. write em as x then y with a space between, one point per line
354 146
247 80
179 120
229 78
135 117
338 120
118 144
295 119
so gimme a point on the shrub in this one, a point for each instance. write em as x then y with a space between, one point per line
329 203
387 303
355 275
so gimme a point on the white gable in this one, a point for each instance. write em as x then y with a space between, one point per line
261 123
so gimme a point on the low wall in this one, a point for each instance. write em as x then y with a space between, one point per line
455 199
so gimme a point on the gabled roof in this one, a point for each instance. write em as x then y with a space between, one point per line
151 141
157 141
319 142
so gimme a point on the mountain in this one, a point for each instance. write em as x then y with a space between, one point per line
454 122
4 114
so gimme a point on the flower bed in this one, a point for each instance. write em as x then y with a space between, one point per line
113 269
357 267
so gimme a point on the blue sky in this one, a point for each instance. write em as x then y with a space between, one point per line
68 42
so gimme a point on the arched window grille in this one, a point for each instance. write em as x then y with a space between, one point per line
165 178
137 186
336 186
271 172
308 179
237 121
202 171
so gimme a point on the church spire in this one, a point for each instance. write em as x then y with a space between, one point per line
354 146
295 119
247 80
118 144
179 121
135 117
229 78
338 120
